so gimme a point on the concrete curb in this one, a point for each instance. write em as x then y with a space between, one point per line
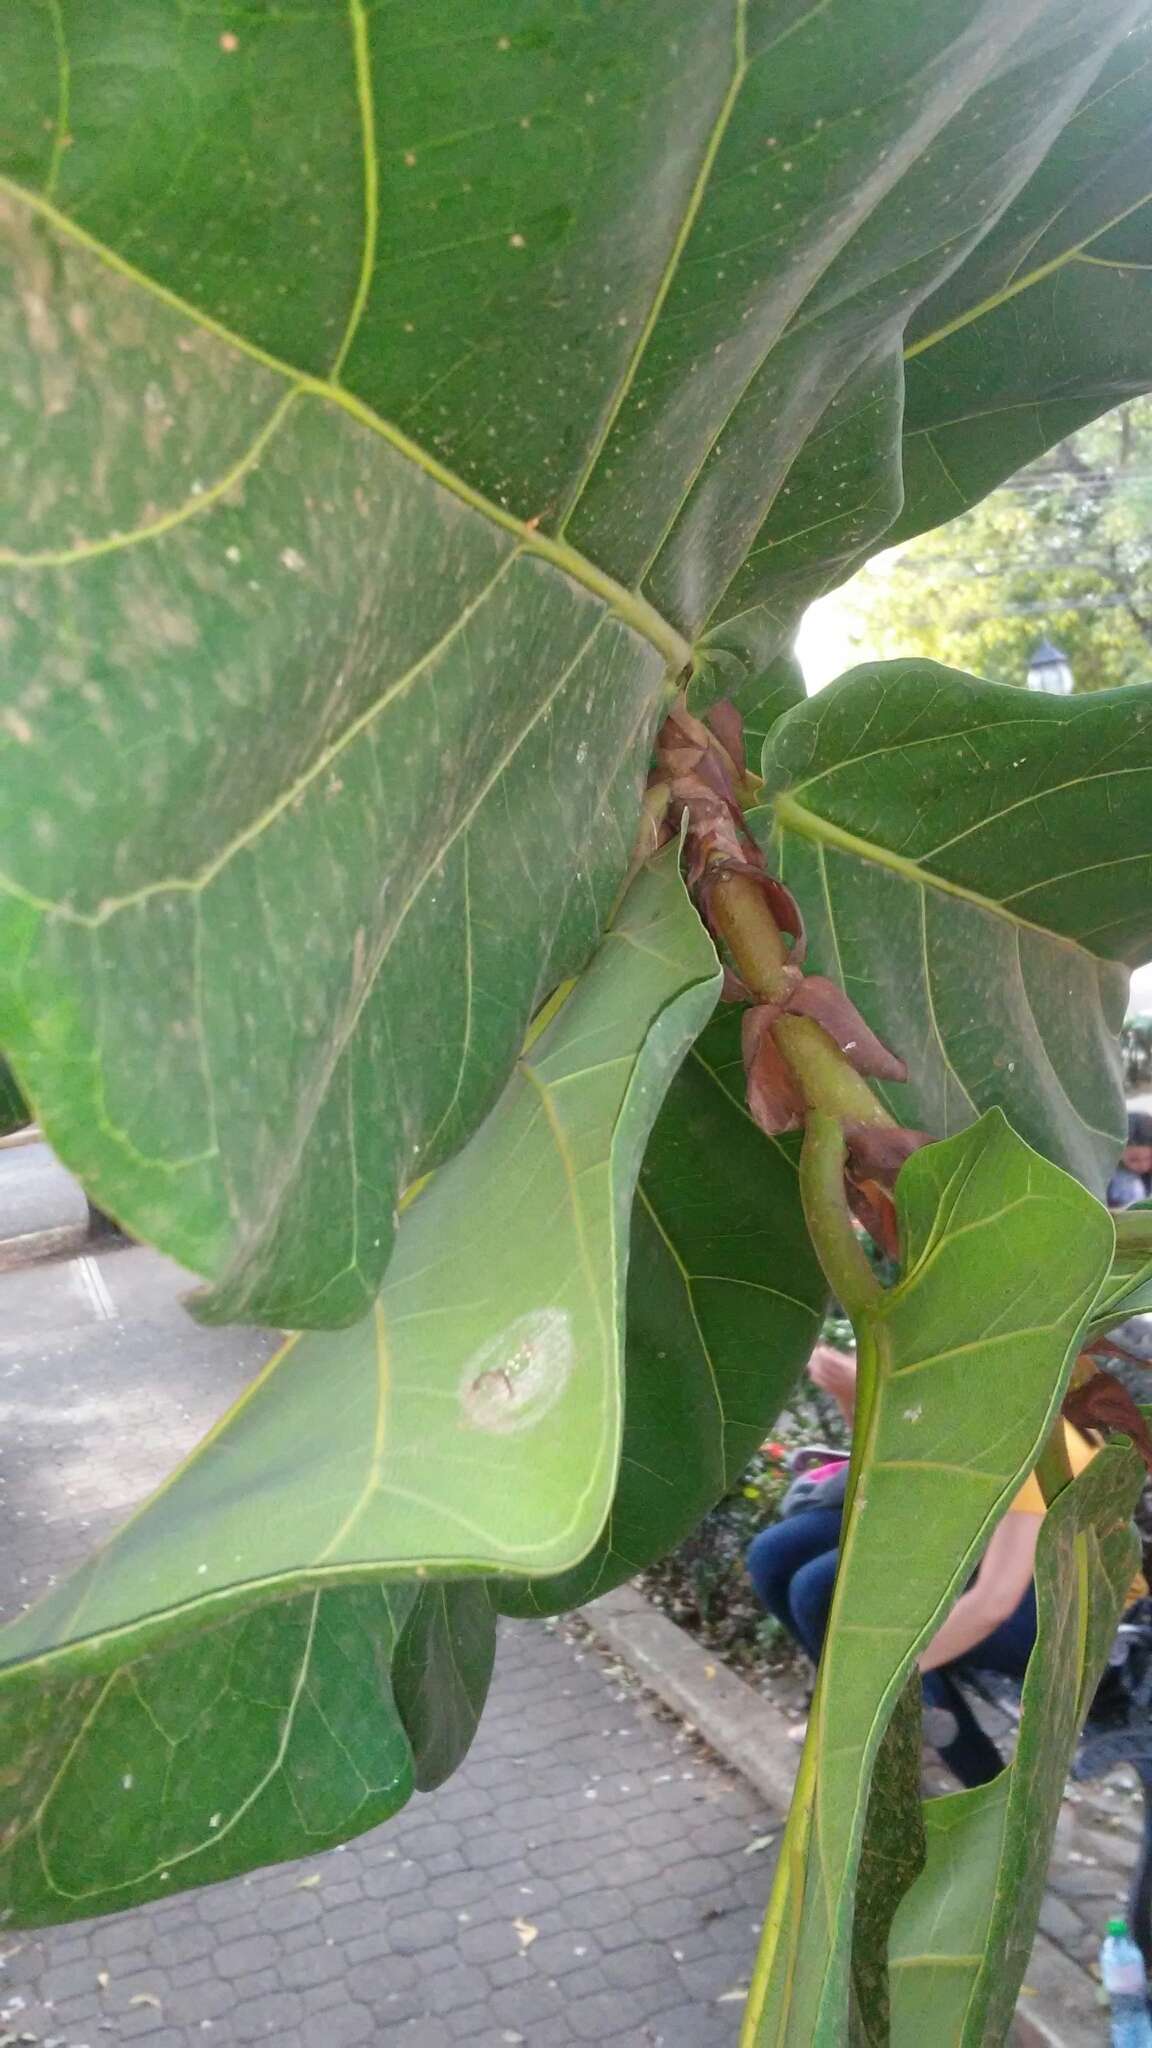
28 1134
42 1244
1058 2006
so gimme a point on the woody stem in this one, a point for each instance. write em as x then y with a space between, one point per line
834 1093
829 1219
828 1081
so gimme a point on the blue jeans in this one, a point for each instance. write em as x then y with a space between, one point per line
793 1568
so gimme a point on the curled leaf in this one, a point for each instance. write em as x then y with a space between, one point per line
821 999
728 727
872 1205
878 1151
733 990
774 1098
1102 1403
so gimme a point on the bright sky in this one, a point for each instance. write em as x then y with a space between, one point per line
825 648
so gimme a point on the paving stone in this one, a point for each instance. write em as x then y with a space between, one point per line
346 2026
426 1929
70 1980
424 2033
1058 1920
310 1963
360 1916
644 1962
291 1909
255 2018
605 2015
585 1982
509 1970
557 1954
667 1917
522 2004
1080 1881
453 1989
243 1958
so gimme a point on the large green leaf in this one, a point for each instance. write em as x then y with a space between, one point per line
962 1367
1063 278
1045 325
724 1302
954 847
963 1933
274 1734
472 1423
370 466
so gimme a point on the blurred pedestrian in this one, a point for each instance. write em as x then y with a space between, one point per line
1132 1180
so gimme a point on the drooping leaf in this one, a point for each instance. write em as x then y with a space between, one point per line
1043 327
724 1301
369 467
963 1934
962 1367
473 1422
274 1734
1064 274
953 847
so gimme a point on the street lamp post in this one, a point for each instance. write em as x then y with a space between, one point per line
1050 670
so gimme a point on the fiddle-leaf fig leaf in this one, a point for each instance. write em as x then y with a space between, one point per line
1041 328
1003 1256
724 1301
276 1733
951 842
963 1932
472 1423
371 470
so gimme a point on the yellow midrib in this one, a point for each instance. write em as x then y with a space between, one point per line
794 816
1013 289
629 606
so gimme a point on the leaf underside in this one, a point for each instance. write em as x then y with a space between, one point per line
276 1734
1003 1255
953 844
371 472
472 1423
964 1932
724 1301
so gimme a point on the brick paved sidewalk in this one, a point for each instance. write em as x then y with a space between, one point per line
584 1878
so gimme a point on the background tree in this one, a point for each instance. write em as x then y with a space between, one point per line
1063 549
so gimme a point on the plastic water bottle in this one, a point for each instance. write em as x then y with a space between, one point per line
1125 1981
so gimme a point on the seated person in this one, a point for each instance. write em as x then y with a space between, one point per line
992 1625
1132 1180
